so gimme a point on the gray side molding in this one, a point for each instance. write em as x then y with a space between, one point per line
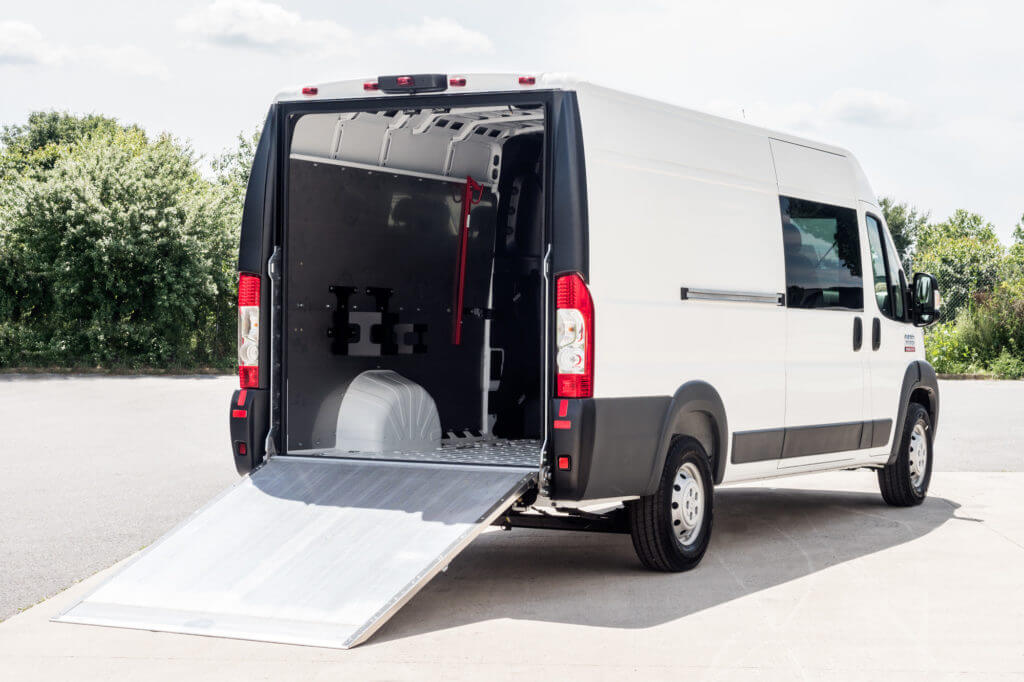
692 397
919 374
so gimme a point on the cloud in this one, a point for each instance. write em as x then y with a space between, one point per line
264 26
443 34
22 43
871 108
129 59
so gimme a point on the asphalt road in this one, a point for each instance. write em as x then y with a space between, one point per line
94 468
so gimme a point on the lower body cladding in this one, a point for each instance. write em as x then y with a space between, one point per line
249 411
606 447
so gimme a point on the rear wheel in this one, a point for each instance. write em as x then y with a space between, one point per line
904 483
671 528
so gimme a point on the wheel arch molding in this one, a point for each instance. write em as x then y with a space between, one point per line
693 399
919 382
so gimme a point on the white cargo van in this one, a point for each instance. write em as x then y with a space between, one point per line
532 301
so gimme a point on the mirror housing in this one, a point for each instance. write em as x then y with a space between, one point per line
925 300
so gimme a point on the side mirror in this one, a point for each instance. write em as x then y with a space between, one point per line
925 299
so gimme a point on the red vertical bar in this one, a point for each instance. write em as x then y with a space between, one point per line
460 273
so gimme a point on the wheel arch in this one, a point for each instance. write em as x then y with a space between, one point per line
920 385
696 410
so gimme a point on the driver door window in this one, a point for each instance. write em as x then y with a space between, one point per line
885 268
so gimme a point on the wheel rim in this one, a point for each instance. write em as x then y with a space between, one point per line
918 455
687 504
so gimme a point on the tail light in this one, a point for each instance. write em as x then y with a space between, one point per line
574 334
248 331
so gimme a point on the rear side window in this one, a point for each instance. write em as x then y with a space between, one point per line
885 265
822 247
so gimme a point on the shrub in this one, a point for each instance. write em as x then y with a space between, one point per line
946 351
996 323
119 255
1008 366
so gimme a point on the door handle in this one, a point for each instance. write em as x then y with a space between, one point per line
858 333
876 334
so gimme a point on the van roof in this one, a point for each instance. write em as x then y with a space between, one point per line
523 82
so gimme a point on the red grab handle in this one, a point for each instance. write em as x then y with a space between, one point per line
471 195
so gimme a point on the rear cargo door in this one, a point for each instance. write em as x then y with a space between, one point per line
306 550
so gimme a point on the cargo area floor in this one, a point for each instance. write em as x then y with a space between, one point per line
492 452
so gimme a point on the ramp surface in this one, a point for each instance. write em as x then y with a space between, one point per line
308 551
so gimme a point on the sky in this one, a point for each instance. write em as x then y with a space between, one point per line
926 93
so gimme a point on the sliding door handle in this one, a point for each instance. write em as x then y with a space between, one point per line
876 334
858 333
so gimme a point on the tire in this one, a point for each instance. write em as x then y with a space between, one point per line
902 483
654 522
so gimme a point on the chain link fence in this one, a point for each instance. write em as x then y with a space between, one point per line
962 293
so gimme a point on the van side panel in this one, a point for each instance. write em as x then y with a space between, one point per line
680 199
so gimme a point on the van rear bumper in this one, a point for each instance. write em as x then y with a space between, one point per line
611 445
249 409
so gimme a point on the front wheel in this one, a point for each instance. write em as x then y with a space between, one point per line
671 528
904 483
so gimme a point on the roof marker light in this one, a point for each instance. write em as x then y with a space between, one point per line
527 80
404 80
371 86
457 82
310 90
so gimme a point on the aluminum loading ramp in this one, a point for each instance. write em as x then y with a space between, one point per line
306 550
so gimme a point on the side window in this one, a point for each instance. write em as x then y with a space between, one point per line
897 280
822 247
881 279
886 267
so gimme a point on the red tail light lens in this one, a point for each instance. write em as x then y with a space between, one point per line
527 80
574 337
371 86
248 331
457 82
309 90
404 80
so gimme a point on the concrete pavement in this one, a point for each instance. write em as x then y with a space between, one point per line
93 468
811 579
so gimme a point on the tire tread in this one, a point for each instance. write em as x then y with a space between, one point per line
647 528
894 479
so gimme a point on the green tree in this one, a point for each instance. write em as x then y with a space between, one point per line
119 254
905 223
231 172
965 255
962 224
35 146
1018 231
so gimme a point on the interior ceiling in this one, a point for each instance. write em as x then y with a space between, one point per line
437 142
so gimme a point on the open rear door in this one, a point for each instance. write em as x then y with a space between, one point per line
306 550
